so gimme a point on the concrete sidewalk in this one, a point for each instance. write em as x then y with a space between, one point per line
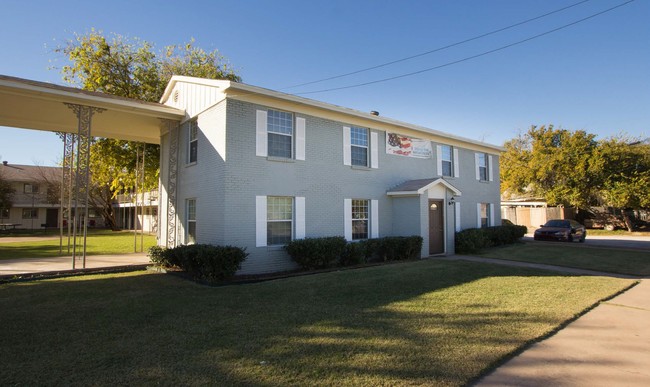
608 346
10 267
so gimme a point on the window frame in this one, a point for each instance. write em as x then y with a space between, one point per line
272 114
361 204
5 213
366 147
33 213
33 188
193 143
485 221
483 169
190 218
271 240
443 160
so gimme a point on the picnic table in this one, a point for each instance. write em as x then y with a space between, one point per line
7 226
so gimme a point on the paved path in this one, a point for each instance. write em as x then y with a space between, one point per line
54 264
608 346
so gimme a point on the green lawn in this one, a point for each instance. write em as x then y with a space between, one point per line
98 242
579 256
418 323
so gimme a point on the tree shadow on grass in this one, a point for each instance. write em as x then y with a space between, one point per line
419 323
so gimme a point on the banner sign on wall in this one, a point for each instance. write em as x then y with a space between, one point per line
396 144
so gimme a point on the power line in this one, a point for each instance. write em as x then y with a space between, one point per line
469 57
438 49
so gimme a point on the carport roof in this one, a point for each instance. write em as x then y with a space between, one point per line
38 105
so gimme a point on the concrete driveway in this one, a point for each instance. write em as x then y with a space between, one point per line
11 267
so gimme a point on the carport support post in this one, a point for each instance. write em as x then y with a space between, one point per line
80 192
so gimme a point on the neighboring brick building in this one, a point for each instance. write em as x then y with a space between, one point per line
256 168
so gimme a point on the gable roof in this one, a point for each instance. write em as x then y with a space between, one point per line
29 173
261 95
420 186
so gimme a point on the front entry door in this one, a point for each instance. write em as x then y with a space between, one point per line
436 227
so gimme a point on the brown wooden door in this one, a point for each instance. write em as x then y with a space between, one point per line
436 227
52 217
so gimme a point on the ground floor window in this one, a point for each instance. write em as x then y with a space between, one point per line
279 220
30 213
360 216
4 213
190 237
484 214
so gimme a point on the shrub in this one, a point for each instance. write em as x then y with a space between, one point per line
316 253
397 248
206 262
354 253
473 240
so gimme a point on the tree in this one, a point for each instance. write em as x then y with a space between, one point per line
130 68
6 194
555 164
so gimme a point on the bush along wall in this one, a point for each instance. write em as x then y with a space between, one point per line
204 262
473 240
320 253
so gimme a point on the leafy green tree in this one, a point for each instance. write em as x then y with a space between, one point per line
555 164
130 68
6 193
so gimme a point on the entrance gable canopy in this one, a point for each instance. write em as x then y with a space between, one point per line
39 105
420 186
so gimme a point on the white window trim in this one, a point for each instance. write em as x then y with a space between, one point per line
298 141
373 147
262 138
456 165
457 216
374 219
347 219
192 124
374 150
373 222
261 220
488 161
188 220
300 138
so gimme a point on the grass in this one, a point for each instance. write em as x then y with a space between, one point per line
418 323
629 262
98 242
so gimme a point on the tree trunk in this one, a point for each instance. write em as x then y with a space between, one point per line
628 221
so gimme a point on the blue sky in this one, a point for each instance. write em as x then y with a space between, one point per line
593 75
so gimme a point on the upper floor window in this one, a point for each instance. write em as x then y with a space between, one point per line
359 146
193 143
280 132
280 135
483 166
30 188
446 160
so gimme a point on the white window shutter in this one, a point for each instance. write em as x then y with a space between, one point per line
300 217
300 138
439 159
478 172
374 218
456 165
374 150
260 221
347 147
490 177
347 219
457 215
261 144
491 210
478 215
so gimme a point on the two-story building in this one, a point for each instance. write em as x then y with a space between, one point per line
257 168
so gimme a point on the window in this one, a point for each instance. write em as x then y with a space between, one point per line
191 222
193 143
484 215
446 160
31 188
359 146
359 219
279 220
30 213
482 161
280 131
4 213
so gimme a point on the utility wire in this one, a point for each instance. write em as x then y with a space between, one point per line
469 57
438 49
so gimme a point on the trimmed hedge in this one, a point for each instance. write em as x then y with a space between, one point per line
319 253
205 262
473 240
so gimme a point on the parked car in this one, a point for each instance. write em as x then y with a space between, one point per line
561 230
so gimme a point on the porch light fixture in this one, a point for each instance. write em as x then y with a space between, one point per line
451 201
